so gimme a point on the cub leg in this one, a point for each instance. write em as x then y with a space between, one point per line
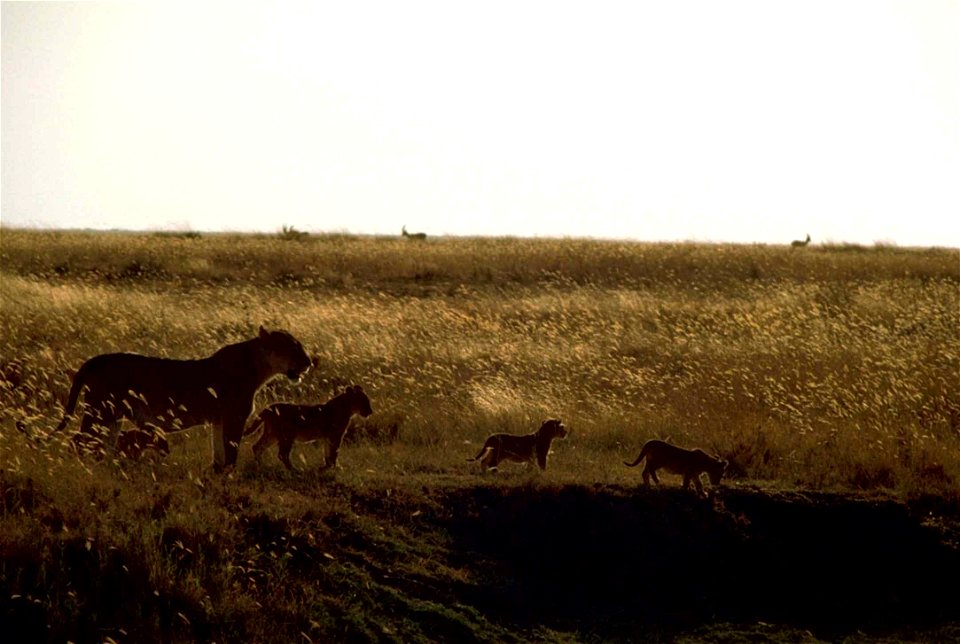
161 444
286 445
333 449
650 473
226 440
491 459
267 438
697 483
541 460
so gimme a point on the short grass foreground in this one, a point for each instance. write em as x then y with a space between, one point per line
828 376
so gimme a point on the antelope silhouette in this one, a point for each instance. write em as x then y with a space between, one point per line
417 236
796 243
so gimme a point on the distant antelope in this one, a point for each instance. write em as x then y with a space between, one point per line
417 236
796 243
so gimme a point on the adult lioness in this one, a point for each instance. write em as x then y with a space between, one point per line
690 463
285 423
170 395
531 448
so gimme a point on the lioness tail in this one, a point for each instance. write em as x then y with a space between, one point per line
78 381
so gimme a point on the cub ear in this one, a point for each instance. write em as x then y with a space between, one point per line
263 332
357 388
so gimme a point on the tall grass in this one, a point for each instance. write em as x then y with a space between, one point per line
831 367
818 367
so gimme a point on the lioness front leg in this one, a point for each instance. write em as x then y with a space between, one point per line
229 442
216 442
332 452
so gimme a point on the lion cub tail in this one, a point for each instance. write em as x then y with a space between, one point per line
487 445
640 457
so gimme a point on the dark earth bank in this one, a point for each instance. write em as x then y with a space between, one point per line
612 562
498 563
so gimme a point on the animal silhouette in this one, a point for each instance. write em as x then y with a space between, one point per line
416 236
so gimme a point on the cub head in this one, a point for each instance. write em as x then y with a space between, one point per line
285 354
359 403
716 470
553 428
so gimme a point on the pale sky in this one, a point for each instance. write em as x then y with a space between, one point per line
674 120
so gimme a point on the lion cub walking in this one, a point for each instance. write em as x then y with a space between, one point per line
522 449
690 463
285 423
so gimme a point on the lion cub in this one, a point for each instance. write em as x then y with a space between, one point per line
285 423
132 443
690 463
522 449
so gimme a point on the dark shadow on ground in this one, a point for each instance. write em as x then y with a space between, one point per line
607 561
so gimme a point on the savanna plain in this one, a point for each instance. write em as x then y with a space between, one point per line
828 376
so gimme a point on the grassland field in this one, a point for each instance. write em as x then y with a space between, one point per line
828 372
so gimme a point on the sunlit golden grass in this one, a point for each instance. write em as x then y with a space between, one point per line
821 368
811 367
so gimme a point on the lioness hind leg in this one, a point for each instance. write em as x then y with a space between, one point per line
89 440
98 432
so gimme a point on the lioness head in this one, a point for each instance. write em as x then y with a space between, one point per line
285 354
552 427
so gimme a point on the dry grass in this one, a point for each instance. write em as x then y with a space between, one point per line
835 367
821 368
